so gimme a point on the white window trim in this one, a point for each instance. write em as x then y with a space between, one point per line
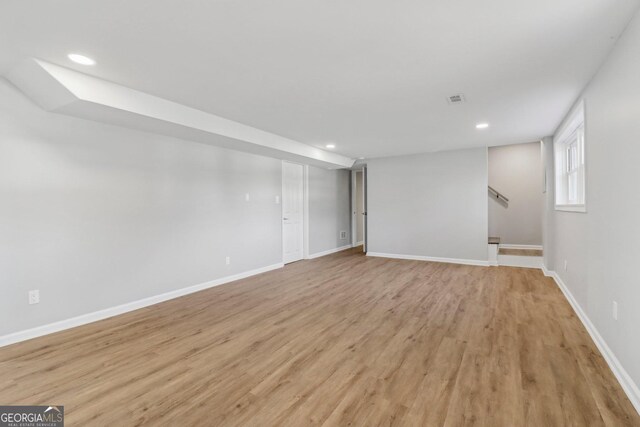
576 118
572 208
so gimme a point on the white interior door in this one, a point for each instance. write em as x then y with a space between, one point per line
292 212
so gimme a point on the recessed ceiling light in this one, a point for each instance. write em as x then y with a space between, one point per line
361 158
482 125
330 146
81 59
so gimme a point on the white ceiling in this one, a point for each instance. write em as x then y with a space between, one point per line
370 76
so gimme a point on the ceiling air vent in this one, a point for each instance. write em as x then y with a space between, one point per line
455 99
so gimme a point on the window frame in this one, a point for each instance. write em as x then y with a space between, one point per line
570 162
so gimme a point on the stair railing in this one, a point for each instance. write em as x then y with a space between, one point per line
498 195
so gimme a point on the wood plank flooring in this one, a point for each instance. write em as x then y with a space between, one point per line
520 252
340 340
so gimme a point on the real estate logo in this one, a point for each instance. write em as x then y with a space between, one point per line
31 416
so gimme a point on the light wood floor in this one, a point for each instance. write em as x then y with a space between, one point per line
520 252
340 340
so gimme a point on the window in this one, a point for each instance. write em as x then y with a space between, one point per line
570 163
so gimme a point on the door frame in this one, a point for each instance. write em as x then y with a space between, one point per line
365 202
305 208
305 212
354 210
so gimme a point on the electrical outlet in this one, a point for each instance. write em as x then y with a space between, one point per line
565 265
343 234
228 260
614 311
246 197
277 200
34 296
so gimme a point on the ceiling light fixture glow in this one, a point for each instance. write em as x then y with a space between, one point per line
482 125
81 59
330 146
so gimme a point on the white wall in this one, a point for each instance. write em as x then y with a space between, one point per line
95 216
430 205
548 212
602 246
329 209
516 172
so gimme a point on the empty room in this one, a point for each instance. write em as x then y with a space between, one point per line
342 213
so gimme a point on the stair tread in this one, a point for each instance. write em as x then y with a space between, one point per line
520 252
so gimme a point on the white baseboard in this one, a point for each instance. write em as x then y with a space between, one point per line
360 243
628 385
520 261
432 259
124 308
511 246
329 252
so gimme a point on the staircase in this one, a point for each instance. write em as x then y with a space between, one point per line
514 255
